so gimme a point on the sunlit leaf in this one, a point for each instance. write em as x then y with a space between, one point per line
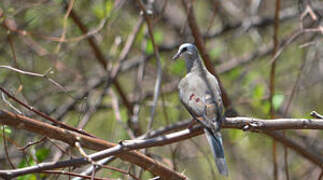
42 154
149 48
27 177
278 99
98 10
108 7
7 130
258 92
158 35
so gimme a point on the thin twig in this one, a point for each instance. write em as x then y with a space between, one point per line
6 147
159 68
69 9
272 86
89 170
43 114
32 143
45 75
72 174
115 107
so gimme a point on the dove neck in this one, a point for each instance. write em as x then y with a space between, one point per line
194 65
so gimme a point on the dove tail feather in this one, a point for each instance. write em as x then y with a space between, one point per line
215 142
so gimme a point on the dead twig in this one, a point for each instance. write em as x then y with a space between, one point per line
43 114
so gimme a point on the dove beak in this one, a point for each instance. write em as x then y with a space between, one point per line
177 55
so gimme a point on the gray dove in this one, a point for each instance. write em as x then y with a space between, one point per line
200 93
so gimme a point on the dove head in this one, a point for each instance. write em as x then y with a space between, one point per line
188 50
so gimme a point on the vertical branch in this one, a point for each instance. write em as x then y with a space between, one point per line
272 86
6 148
159 69
69 9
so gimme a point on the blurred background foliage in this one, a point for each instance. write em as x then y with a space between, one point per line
30 34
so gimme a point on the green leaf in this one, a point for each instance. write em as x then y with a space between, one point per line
98 10
42 154
266 106
258 92
236 135
108 7
235 73
7 130
158 36
27 177
278 99
149 49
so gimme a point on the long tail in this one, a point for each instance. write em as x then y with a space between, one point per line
215 142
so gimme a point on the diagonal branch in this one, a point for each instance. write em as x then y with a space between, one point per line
71 138
158 62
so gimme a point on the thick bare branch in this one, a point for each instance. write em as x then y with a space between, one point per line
70 138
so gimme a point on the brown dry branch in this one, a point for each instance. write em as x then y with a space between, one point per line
58 123
71 138
272 86
158 62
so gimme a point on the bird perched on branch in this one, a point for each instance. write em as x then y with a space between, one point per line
200 93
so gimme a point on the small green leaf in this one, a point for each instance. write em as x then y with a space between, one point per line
258 92
235 73
108 7
7 130
158 35
266 106
27 177
98 10
236 135
42 154
278 99
149 48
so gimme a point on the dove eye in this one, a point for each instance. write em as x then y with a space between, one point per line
184 49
